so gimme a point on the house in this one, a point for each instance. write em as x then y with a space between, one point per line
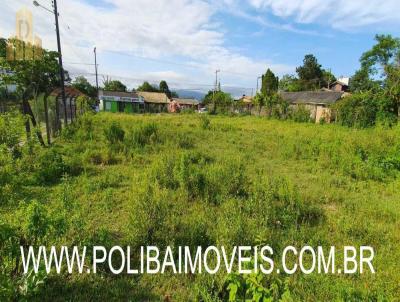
341 85
317 102
186 103
246 100
11 88
154 102
116 101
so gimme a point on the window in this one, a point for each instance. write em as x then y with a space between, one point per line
108 106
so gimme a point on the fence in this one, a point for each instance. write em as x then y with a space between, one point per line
48 114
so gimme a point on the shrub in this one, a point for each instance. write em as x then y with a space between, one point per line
149 215
144 135
11 126
185 141
36 222
114 134
278 204
301 114
205 122
49 166
360 110
200 178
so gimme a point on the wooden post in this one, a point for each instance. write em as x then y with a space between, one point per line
27 124
75 108
46 116
70 108
30 113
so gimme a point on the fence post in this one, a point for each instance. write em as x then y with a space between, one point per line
46 116
70 109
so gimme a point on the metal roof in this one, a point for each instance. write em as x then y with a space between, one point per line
312 97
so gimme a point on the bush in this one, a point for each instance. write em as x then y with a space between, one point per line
49 166
301 114
200 178
364 109
278 205
11 129
144 135
149 215
185 141
205 122
114 134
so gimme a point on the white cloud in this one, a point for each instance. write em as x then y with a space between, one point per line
174 30
340 14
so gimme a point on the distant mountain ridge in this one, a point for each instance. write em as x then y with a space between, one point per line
190 94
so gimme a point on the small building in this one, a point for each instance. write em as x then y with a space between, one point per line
341 85
186 103
154 102
11 88
317 102
116 101
245 104
245 99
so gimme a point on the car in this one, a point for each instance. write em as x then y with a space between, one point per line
203 110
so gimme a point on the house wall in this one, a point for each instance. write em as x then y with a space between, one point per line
317 112
337 88
118 104
323 113
155 107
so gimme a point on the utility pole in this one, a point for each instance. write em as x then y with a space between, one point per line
60 61
97 78
215 89
257 83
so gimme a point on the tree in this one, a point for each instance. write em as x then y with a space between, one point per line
393 87
361 81
270 83
220 100
260 100
380 73
385 53
327 78
290 83
3 48
114 85
164 88
32 76
83 85
310 73
147 87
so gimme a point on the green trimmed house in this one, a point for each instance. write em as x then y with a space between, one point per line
116 101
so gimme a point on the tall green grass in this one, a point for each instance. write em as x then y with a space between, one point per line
115 179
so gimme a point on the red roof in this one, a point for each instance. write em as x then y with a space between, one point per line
69 92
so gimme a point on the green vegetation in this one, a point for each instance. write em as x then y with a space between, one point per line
310 76
163 87
220 102
114 179
114 85
83 85
375 87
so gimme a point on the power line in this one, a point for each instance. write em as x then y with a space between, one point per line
192 66
143 80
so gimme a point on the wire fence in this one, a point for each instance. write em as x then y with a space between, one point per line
47 114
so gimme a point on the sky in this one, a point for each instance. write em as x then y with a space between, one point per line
185 41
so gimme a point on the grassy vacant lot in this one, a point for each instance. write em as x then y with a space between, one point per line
199 181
